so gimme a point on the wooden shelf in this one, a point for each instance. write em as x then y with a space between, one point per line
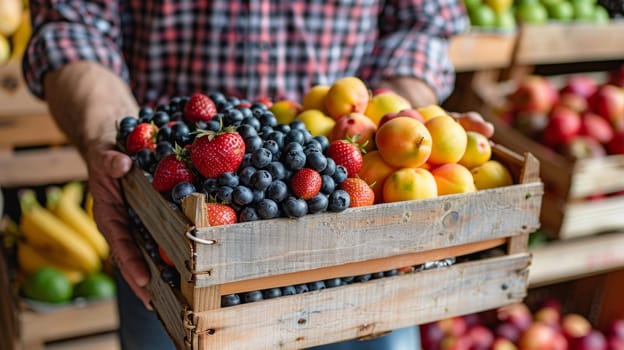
477 50
576 258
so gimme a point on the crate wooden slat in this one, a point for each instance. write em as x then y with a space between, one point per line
15 98
569 42
339 245
477 49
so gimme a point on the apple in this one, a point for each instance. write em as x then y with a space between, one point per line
534 94
538 336
616 145
384 102
581 85
455 343
563 125
616 328
593 340
472 320
533 13
582 147
574 326
517 314
573 101
530 124
503 344
616 77
431 335
549 315
481 338
410 112
473 121
608 101
482 16
596 127
561 11
615 343
454 326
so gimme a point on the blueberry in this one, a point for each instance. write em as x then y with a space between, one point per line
144 158
277 170
294 159
258 195
144 111
330 168
181 133
277 191
391 273
213 125
362 278
217 96
235 101
328 185
259 107
295 135
223 105
253 122
253 143
261 179
323 140
164 134
176 116
200 125
333 282
210 187
276 136
160 118
247 114
312 146
230 300
175 104
180 191
289 290
128 122
163 107
171 276
228 179
340 174
245 174
348 279
252 296
298 124
267 209
283 128
233 117
294 207
261 157
377 275
163 149
246 131
272 146
271 293
316 160
293 146
265 131
301 288
224 194
123 133
248 214
317 204
316 285
246 161
242 195
268 118
339 200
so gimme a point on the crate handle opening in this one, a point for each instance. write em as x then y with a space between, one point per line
192 237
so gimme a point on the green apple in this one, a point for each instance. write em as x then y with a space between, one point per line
472 4
548 3
532 13
505 20
561 11
483 16
583 10
499 6
601 15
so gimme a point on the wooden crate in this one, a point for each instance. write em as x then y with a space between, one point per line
566 209
264 254
15 98
481 49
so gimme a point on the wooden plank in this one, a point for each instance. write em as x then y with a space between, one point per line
8 313
41 166
477 50
597 175
69 322
592 216
107 341
15 98
365 309
575 258
570 42
30 130
250 250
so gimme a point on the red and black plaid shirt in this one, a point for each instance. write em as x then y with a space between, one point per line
274 49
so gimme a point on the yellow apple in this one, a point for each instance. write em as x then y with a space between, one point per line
384 103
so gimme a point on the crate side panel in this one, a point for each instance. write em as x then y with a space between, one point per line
365 309
591 217
597 176
259 249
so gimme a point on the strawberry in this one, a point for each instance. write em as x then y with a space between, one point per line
199 107
171 170
306 183
360 192
165 258
348 154
215 153
220 214
143 136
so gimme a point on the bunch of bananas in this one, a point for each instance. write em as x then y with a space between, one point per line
61 234
14 29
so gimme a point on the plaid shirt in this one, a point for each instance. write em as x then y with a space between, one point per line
274 49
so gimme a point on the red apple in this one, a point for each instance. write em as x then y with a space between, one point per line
574 326
548 315
455 343
481 338
616 328
431 335
616 145
597 127
517 314
503 344
593 340
533 94
411 113
573 101
454 326
563 125
539 336
508 331
608 101
615 343
616 77
580 85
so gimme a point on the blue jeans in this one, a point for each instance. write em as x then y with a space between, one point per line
140 329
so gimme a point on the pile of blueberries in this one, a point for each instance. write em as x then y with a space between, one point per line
273 152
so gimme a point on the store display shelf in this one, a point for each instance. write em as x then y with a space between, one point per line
576 258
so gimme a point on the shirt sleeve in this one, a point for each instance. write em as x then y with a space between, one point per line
69 31
413 42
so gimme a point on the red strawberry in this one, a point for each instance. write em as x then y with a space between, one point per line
143 136
348 154
220 214
199 107
165 258
214 153
171 170
360 192
306 183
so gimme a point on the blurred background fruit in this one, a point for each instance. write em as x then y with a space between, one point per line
14 29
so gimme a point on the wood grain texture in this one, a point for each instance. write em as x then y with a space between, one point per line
476 50
15 98
364 309
258 249
38 167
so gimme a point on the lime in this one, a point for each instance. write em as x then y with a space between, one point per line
95 286
48 284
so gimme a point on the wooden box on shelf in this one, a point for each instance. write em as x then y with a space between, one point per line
573 203
15 98
217 261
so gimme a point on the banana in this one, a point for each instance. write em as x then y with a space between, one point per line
47 232
29 260
65 203
89 205
19 39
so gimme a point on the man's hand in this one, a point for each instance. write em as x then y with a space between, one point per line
417 92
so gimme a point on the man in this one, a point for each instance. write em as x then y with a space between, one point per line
95 62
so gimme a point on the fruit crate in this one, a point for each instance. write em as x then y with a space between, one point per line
217 261
15 98
570 208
